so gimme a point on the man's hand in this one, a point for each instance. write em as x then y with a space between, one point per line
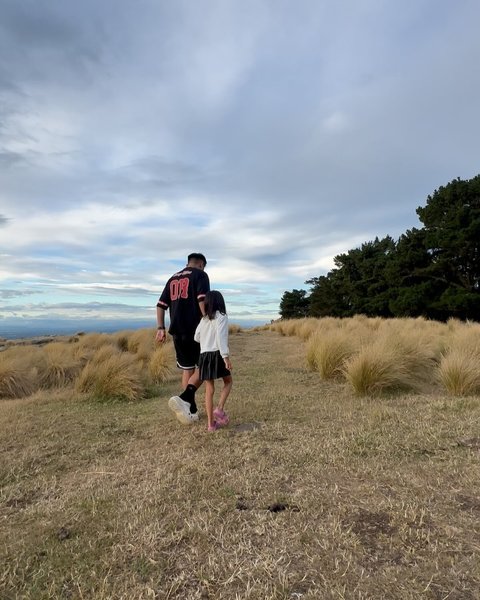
161 336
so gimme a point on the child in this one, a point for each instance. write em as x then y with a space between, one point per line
214 362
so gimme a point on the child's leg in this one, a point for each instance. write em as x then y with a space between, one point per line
209 390
227 386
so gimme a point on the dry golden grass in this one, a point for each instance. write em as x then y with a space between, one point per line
113 377
124 365
234 328
327 352
306 328
380 355
459 373
160 366
17 376
145 351
105 352
465 337
121 340
86 345
140 340
58 366
377 368
287 327
459 370
310 493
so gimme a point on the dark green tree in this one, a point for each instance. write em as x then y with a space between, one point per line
326 297
411 289
294 304
451 220
357 284
363 272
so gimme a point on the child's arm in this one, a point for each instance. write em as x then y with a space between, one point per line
222 338
196 335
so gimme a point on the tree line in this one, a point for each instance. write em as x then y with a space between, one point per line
433 271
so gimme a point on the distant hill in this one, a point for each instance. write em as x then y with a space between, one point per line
14 328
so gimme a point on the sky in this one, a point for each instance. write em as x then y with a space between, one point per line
270 135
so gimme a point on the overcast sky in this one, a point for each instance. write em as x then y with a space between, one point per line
270 135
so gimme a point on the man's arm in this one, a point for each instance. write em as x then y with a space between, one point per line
203 286
161 333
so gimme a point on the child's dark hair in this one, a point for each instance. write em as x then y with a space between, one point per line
214 301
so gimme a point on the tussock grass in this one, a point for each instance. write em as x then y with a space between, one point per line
382 355
114 377
234 328
17 377
327 352
377 368
145 350
302 328
393 361
459 369
103 353
141 341
89 343
417 349
358 331
465 338
412 354
160 364
454 324
306 328
121 340
287 327
373 323
459 373
91 363
58 366
27 354
258 328
328 323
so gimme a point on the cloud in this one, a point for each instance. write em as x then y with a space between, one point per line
107 289
267 136
10 159
77 310
7 294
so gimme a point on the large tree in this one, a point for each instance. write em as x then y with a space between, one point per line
294 304
411 289
433 271
327 298
451 220
357 284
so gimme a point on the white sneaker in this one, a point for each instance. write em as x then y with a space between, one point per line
182 410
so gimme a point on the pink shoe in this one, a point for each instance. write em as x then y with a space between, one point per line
221 417
213 427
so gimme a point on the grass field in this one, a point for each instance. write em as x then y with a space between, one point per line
312 492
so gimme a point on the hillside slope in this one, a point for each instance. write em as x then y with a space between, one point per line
309 493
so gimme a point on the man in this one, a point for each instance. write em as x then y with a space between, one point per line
183 296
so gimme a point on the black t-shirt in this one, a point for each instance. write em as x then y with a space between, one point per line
182 293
